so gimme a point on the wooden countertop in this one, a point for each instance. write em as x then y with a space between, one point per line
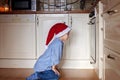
44 12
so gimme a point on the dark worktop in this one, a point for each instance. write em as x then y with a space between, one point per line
44 12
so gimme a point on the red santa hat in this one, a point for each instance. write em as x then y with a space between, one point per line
57 30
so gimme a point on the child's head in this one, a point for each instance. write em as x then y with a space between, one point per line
65 36
59 30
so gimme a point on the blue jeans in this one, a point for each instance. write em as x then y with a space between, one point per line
45 75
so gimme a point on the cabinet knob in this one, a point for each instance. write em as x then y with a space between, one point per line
112 12
111 57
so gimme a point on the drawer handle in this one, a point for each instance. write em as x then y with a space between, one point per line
111 57
112 12
37 21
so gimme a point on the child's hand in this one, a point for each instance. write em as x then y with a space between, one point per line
55 70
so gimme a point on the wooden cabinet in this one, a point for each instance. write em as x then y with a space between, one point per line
112 65
17 36
112 41
105 4
108 4
112 29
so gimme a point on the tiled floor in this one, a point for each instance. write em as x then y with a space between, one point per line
66 74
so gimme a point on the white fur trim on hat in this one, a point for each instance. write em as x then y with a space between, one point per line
63 32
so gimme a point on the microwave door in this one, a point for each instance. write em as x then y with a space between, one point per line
21 4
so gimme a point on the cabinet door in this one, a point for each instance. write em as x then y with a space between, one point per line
112 29
112 65
79 47
44 23
17 36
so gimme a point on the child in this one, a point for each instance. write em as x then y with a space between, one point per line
46 66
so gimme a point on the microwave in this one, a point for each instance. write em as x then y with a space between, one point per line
23 5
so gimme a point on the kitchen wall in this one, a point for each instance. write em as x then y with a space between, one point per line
2 2
69 4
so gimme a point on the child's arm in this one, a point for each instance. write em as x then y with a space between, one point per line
55 70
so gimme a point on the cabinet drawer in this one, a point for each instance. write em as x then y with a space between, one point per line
112 58
111 73
112 65
114 11
112 29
